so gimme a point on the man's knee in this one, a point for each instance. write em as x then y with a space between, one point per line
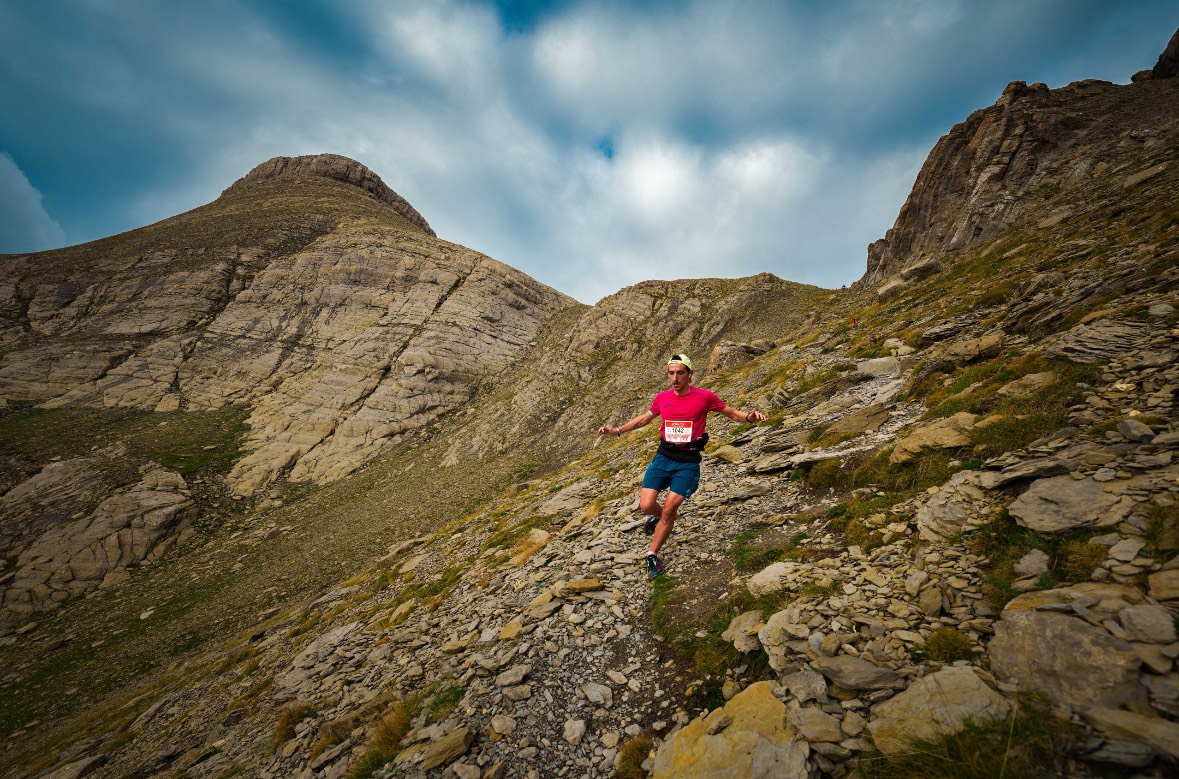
649 504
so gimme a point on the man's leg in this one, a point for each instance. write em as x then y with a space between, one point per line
667 520
649 502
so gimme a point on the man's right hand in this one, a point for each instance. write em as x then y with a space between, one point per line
607 430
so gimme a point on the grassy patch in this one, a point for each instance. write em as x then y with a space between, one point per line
749 553
1028 742
1071 558
189 441
119 741
1023 419
1162 531
444 701
927 469
711 655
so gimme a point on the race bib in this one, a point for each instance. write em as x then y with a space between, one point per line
677 432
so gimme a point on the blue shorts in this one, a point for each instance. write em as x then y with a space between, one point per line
663 472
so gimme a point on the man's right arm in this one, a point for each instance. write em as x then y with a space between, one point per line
640 421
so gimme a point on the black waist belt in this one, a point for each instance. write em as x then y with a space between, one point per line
683 453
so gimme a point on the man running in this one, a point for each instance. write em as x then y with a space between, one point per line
677 463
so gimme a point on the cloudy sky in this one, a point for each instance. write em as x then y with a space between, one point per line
591 144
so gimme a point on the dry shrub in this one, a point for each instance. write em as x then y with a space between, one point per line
947 645
1077 559
392 728
284 729
631 756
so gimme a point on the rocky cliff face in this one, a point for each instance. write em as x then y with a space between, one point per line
367 328
309 293
1036 157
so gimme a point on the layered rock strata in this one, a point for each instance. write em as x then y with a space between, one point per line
1035 156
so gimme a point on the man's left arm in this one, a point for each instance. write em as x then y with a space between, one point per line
743 416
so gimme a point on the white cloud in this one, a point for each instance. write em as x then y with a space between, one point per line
25 226
747 136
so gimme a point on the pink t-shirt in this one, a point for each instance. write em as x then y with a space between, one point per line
683 415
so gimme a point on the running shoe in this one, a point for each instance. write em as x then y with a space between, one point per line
649 528
654 566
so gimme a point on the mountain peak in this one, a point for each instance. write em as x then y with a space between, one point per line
339 168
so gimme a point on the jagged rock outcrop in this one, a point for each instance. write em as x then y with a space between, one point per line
1168 64
339 168
1030 158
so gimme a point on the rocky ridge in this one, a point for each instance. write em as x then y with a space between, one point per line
1033 157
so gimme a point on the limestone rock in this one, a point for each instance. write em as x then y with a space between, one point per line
447 748
946 512
814 724
864 420
1093 341
779 630
1033 563
933 706
981 348
1027 385
948 433
574 731
879 366
727 354
729 454
1149 623
1062 504
1164 585
1133 430
806 685
1072 661
1168 62
1162 735
130 525
756 744
772 578
742 631
1103 599
855 673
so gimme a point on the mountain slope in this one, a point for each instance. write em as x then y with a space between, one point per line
966 490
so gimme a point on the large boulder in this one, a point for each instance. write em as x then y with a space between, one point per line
728 354
1093 341
968 349
948 433
132 524
774 577
1062 504
937 705
1074 662
1028 385
863 420
756 742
